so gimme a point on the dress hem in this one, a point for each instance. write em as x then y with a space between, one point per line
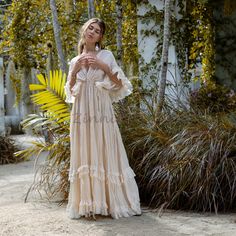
92 209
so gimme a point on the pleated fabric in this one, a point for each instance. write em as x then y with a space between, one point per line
101 180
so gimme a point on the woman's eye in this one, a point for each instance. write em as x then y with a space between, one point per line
96 31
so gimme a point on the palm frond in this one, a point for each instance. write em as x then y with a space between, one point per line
53 119
52 99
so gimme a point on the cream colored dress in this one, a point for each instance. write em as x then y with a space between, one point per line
101 180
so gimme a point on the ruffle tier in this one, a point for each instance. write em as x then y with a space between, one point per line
101 174
115 184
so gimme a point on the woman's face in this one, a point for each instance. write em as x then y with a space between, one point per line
93 33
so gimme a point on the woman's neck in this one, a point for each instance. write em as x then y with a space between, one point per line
89 48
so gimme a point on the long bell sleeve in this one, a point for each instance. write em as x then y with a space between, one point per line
70 95
116 92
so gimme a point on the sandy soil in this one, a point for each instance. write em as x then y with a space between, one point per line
48 219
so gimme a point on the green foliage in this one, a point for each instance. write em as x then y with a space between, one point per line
179 38
28 31
192 32
201 38
23 33
130 40
213 98
106 10
154 17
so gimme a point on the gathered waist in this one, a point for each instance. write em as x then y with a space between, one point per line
90 81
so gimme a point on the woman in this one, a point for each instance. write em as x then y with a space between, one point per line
101 180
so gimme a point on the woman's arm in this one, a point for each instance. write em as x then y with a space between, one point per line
97 63
112 76
76 68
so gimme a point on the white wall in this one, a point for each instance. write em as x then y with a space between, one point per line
146 47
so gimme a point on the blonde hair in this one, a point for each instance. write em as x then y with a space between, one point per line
85 27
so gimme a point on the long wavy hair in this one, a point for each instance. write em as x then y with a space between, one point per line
85 27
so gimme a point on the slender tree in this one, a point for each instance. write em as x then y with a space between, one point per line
2 113
57 30
25 103
164 56
119 31
91 8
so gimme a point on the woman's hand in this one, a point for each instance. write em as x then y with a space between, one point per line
94 62
80 62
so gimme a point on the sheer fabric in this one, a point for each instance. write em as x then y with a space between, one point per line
101 180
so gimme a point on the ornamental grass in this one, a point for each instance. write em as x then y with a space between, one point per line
184 158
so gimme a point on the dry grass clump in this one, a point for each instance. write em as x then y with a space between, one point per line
7 149
51 181
51 175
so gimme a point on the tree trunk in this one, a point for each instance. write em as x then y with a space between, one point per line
11 109
91 8
119 32
57 30
26 104
50 63
2 110
164 57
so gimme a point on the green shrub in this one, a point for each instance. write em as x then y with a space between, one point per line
214 98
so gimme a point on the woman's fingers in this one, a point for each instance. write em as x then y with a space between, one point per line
93 62
82 61
87 60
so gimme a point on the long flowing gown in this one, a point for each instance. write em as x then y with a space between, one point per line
101 180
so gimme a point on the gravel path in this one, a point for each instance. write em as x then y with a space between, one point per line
43 219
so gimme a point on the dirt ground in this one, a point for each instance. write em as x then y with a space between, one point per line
37 217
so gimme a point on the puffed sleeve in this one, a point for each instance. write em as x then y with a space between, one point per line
116 92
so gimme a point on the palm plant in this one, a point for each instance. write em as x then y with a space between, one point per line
54 119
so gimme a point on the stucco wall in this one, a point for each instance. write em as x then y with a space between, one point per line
146 48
